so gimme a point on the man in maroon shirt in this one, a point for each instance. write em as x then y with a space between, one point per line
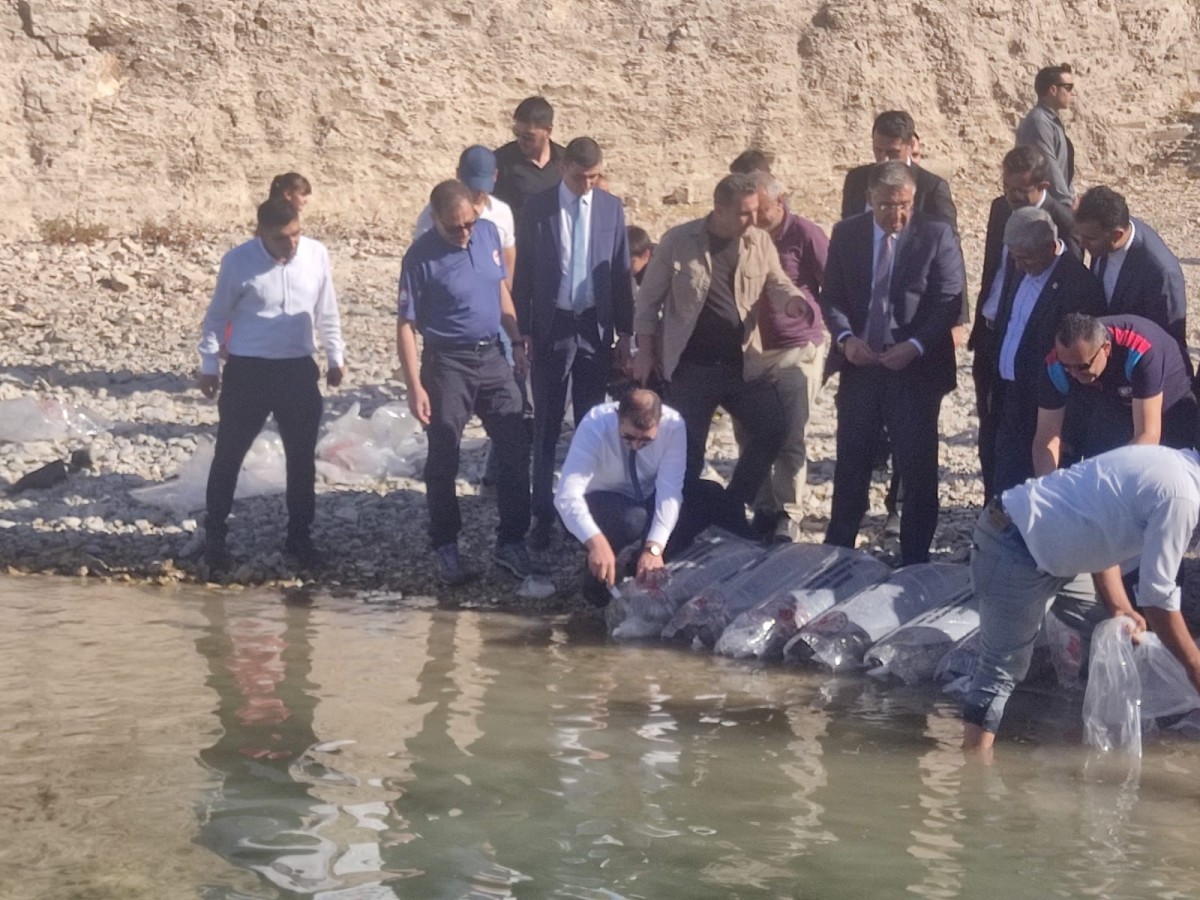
792 357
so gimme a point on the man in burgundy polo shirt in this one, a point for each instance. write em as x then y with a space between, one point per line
792 356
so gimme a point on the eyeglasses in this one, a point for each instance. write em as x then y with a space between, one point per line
1067 86
1082 367
522 134
637 441
459 229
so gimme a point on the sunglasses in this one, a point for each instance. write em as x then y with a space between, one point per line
636 440
459 229
1067 86
1082 367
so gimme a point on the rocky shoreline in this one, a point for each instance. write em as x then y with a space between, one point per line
111 327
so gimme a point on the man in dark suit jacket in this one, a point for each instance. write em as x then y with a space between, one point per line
1141 277
574 297
892 290
1026 179
1045 283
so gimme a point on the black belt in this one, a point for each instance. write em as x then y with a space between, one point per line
465 346
998 518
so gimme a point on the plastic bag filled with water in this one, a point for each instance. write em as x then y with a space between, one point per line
701 620
1112 719
764 629
912 652
639 612
838 639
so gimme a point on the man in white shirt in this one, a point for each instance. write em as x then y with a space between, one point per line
1136 502
271 292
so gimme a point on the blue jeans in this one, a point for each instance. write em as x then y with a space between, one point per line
1013 596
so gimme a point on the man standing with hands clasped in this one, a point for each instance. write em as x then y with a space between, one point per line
273 290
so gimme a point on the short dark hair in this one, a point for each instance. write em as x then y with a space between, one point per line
276 212
584 152
1075 327
640 407
1105 207
639 240
732 188
1047 77
447 195
750 161
895 123
288 181
1023 158
537 111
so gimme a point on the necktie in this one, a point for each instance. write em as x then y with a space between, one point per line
631 464
579 261
880 310
1101 268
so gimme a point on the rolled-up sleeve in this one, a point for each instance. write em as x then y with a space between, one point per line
668 487
1167 535
570 499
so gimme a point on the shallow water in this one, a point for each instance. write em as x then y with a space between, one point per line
184 743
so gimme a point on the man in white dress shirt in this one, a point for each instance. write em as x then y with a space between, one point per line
271 293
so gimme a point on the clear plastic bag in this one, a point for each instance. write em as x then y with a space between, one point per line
1112 716
764 629
26 419
637 613
354 449
264 471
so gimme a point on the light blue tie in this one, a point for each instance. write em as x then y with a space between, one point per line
580 299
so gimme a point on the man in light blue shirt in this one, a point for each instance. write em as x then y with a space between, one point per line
1136 502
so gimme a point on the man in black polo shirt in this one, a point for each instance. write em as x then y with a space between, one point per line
452 290
531 163
1125 378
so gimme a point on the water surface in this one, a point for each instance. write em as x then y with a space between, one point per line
192 743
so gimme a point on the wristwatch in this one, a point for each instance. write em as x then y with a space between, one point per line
653 549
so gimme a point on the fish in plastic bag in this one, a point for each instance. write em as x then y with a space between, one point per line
839 638
354 449
912 651
764 629
638 612
701 619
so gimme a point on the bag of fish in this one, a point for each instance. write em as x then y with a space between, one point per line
700 621
763 630
838 639
637 613
912 652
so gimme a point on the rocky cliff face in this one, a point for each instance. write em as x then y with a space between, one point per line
125 111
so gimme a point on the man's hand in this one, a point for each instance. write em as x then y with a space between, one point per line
644 364
1139 623
418 403
651 570
334 377
209 385
958 334
898 357
520 358
601 560
798 308
858 353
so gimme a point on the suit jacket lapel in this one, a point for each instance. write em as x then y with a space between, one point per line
1129 269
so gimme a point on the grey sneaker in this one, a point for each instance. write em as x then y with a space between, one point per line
515 558
450 569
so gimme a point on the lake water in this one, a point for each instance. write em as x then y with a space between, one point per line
191 743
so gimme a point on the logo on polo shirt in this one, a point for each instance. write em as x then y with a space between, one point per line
496 258
1125 392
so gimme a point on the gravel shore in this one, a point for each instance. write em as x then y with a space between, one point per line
111 327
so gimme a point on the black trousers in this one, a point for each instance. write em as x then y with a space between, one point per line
696 391
573 353
1015 424
868 399
252 389
462 381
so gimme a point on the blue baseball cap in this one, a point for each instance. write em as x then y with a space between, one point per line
477 168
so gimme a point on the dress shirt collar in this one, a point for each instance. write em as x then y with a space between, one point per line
567 197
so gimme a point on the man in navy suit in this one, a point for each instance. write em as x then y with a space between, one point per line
1141 277
892 293
1045 283
574 297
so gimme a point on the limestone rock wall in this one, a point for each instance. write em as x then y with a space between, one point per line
125 111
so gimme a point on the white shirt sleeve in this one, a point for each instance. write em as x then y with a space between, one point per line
582 460
502 216
327 318
424 223
212 332
1167 535
668 487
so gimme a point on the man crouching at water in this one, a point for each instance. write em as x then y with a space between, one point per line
272 291
1138 501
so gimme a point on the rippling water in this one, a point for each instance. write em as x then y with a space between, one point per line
163 744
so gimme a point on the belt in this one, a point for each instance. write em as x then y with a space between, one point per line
998 518
468 346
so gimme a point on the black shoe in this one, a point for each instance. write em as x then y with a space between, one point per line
515 558
216 554
301 549
763 523
541 535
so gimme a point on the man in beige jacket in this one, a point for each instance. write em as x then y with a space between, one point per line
696 317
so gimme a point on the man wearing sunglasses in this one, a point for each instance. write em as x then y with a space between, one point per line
1126 380
1042 128
531 162
453 291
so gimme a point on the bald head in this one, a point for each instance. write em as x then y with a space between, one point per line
640 407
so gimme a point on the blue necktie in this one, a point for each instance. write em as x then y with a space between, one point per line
879 313
579 262
631 463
